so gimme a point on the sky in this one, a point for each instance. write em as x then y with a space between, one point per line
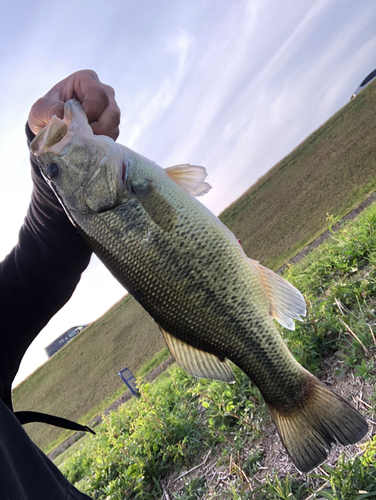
230 85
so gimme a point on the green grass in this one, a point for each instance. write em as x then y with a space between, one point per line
350 480
153 363
175 419
146 368
71 451
82 379
178 419
331 172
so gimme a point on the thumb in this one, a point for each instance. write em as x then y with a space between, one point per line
42 112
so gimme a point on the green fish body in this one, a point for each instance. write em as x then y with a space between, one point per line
190 273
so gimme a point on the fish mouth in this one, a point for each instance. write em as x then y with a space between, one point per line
50 135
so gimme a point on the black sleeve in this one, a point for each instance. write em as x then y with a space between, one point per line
38 276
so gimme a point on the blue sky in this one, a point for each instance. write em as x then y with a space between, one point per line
231 85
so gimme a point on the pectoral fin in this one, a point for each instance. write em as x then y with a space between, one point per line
286 302
157 207
198 363
191 178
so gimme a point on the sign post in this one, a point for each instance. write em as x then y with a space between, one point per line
130 381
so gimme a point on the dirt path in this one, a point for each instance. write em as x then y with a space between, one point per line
350 216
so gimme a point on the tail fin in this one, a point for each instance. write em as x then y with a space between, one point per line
309 430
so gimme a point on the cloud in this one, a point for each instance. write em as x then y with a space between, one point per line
152 102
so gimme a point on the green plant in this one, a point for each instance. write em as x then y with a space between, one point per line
193 490
365 370
350 480
281 489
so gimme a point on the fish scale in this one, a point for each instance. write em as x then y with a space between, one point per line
191 275
223 330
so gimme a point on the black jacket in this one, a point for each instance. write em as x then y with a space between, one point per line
36 279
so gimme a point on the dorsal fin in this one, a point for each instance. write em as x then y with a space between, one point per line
286 302
190 177
198 363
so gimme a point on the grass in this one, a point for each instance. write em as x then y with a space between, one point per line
153 363
82 379
350 480
162 431
178 420
332 171
71 451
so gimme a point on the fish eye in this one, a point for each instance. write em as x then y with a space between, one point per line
52 171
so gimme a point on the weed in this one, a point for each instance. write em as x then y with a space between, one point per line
364 370
281 489
350 480
193 490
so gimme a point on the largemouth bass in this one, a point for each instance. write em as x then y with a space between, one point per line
189 272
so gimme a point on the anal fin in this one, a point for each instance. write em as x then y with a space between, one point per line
199 364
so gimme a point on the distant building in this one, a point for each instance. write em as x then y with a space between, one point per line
60 342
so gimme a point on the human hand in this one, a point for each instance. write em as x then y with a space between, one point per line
96 98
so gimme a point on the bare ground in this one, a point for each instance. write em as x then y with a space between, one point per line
275 459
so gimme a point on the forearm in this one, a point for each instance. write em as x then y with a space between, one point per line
40 274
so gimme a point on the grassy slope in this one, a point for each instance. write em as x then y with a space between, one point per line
332 171
85 372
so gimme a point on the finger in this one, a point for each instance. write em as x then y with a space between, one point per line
98 131
97 100
94 103
108 122
76 85
110 90
42 112
92 94
115 134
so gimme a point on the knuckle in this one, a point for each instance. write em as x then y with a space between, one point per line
116 115
110 90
